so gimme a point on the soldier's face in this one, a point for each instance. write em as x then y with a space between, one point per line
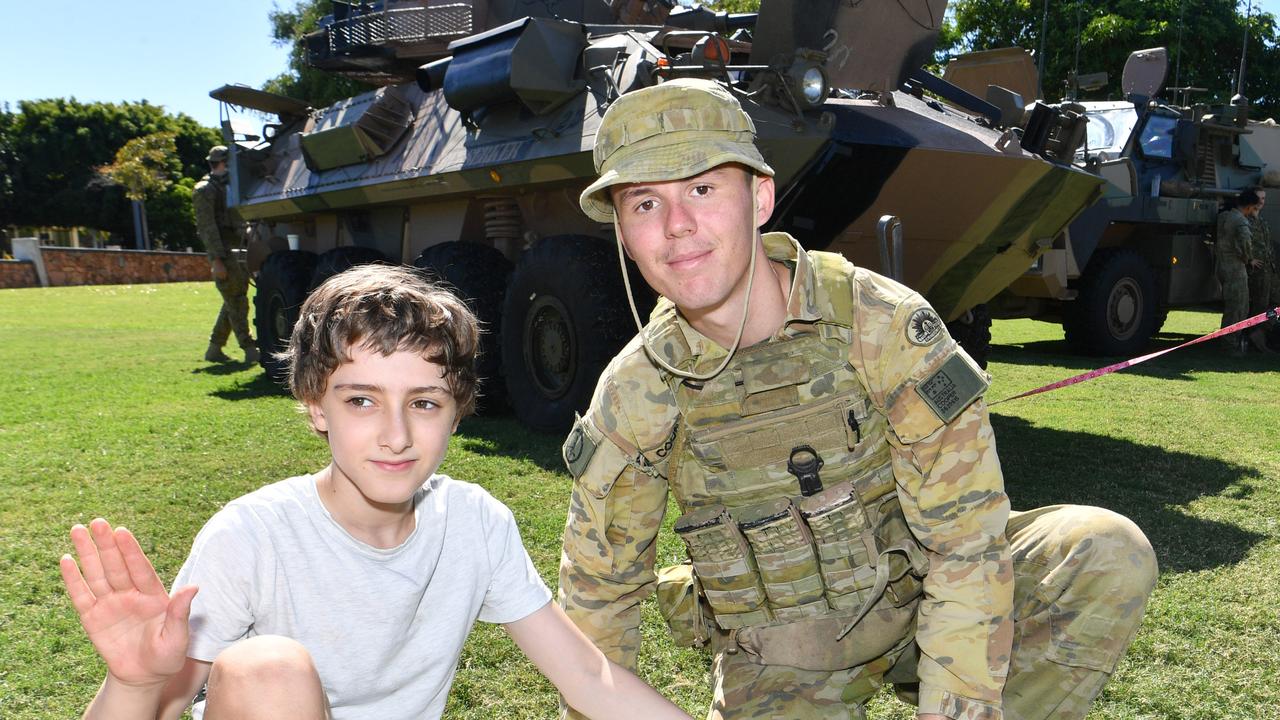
388 421
692 239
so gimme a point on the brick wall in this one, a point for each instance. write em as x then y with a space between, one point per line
85 266
18 274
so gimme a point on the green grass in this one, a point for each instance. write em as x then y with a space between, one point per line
106 409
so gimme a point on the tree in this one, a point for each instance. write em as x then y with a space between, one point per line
303 82
51 149
1203 37
144 166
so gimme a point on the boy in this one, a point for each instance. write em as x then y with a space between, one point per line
347 593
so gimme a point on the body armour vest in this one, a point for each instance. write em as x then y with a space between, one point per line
782 470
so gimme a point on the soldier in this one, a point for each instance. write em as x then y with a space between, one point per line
830 452
1264 286
231 278
1233 251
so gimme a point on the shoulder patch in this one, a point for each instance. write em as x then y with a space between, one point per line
952 387
578 449
924 327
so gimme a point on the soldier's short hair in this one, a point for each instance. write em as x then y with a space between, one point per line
1248 198
384 308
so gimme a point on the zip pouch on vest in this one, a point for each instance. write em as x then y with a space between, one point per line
680 603
785 557
724 565
841 534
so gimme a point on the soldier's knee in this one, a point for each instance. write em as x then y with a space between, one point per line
279 660
1113 546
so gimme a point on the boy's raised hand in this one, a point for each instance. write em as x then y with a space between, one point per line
137 628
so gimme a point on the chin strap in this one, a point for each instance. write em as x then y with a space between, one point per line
635 314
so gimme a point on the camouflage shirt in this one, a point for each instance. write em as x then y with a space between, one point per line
948 476
215 229
1260 233
1234 243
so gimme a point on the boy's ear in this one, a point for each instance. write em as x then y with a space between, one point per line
316 415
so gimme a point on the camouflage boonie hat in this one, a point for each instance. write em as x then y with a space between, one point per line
217 153
670 131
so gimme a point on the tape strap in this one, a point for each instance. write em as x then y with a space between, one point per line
1273 314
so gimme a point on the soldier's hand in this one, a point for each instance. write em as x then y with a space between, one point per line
219 269
1255 264
137 628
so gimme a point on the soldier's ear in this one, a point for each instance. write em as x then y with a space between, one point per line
764 190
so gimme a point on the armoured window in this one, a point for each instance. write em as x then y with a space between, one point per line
1157 136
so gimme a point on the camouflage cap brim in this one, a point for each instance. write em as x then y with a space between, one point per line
695 154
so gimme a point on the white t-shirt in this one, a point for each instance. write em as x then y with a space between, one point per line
385 627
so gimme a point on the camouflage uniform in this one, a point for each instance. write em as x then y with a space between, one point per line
1263 291
1054 606
1233 250
841 497
219 236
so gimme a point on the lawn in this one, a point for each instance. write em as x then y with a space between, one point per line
108 410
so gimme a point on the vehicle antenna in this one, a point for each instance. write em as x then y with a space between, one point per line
1044 23
1177 62
1075 68
1244 49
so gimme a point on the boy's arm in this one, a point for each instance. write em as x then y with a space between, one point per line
589 682
137 628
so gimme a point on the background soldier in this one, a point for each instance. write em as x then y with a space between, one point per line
1264 285
826 441
1233 251
230 276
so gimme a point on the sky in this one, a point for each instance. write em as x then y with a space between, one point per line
169 52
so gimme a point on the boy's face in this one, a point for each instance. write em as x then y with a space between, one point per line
388 421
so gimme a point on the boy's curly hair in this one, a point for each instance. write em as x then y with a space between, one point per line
384 308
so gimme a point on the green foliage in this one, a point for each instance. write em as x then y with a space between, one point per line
118 417
1203 37
735 5
316 87
50 149
144 165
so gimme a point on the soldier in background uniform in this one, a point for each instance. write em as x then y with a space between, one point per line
830 452
231 278
1233 251
1264 285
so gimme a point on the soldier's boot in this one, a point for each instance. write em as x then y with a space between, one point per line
214 354
251 354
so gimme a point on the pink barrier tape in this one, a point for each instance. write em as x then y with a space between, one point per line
1258 319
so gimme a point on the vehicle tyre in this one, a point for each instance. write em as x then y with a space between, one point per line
564 318
973 332
1115 311
479 274
341 259
283 283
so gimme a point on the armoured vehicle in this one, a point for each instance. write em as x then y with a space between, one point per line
469 158
1146 245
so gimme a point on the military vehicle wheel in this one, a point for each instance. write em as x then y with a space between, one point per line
973 332
564 318
479 273
340 259
283 284
1115 312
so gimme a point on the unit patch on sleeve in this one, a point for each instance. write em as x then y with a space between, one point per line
924 327
578 449
950 389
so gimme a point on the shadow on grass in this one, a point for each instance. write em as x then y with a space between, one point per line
219 369
1206 357
1147 484
502 434
260 386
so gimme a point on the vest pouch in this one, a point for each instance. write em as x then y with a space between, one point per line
840 534
906 570
724 566
785 558
680 602
811 644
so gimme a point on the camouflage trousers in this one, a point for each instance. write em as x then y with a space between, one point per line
1261 292
1082 579
234 315
1235 292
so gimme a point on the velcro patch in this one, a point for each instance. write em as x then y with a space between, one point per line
924 327
952 387
578 448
